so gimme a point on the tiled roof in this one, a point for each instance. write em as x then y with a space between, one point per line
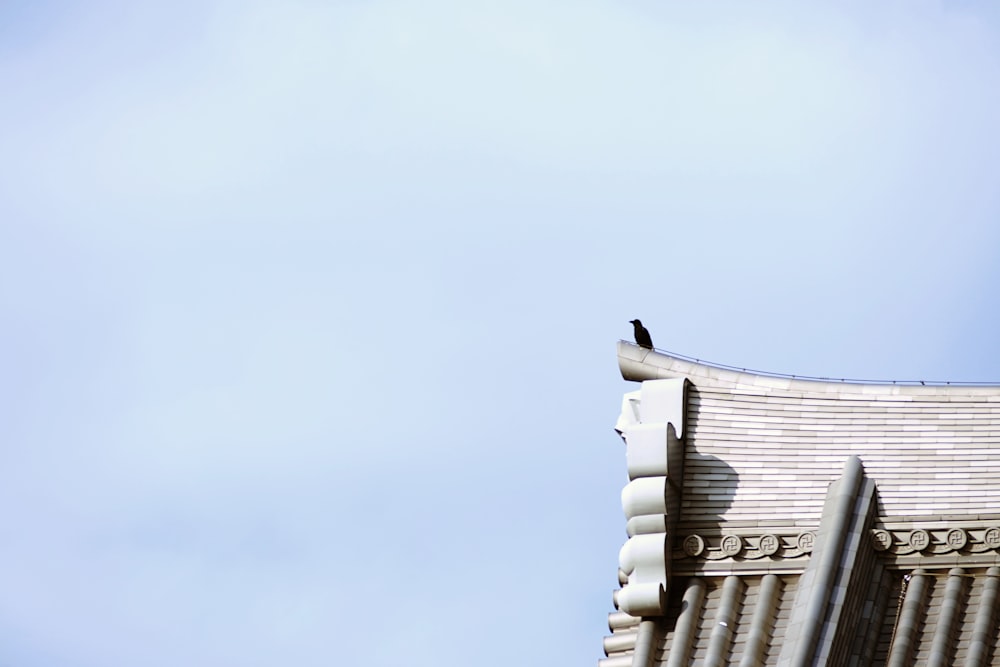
797 519
757 610
932 450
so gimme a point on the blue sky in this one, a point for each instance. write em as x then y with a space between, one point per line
308 309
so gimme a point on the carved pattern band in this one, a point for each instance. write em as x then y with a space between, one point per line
898 542
746 547
920 541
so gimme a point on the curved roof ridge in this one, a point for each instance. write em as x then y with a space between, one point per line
638 364
623 344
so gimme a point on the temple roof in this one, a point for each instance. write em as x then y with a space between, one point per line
793 521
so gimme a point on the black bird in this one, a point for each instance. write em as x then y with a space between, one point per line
642 338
